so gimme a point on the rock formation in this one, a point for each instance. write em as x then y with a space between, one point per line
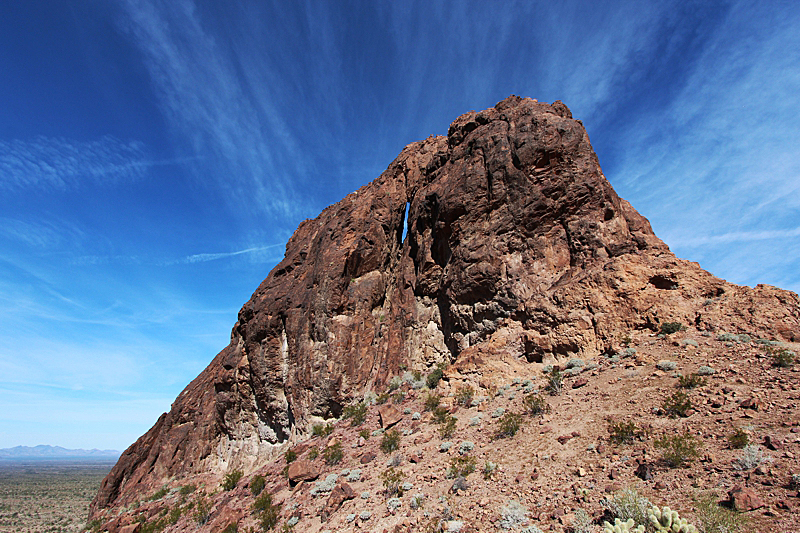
517 250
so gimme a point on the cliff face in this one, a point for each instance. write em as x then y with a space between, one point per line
517 249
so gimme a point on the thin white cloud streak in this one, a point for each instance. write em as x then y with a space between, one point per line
201 258
55 163
203 94
737 236
720 164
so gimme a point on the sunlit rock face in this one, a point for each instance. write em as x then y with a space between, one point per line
517 249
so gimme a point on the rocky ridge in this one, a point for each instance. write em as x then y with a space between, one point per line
518 254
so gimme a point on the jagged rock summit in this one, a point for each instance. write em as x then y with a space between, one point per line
518 252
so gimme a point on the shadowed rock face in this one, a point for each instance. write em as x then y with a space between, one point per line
517 248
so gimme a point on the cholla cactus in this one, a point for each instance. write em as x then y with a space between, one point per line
667 521
622 527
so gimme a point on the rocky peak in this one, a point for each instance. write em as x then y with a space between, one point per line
518 252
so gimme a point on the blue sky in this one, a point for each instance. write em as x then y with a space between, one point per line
155 156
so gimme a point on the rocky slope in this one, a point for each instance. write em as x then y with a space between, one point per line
518 253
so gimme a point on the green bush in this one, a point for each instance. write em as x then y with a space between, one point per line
266 511
393 481
365 433
382 398
233 527
187 489
738 439
290 455
398 397
536 405
202 511
783 358
440 415
623 432
434 377
333 454
677 450
432 401
461 466
322 430
464 395
509 425
390 441
257 484
692 381
356 413
313 453
555 382
716 518
159 494
668 328
677 405
231 479
448 428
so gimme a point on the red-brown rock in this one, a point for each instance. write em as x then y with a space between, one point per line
517 247
390 415
340 494
744 499
302 471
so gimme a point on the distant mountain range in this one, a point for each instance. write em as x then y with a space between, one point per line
54 452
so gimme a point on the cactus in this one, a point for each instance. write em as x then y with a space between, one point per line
667 521
622 527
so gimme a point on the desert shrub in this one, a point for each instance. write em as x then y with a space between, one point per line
432 401
417 501
393 504
416 415
461 466
445 446
392 479
448 428
398 397
497 413
159 494
677 405
233 527
356 413
783 358
322 430
202 511
354 475
679 449
290 455
435 376
555 382
508 425
395 383
750 457
187 489
324 486
623 432
691 381
364 433
738 439
382 398
582 522
714 518
535 404
706 371
257 484
440 415
489 469
333 454
464 395
668 328
267 511
466 447
666 366
390 441
628 505
231 479
513 515
313 453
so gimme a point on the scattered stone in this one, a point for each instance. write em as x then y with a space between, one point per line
340 494
302 470
644 471
390 415
773 443
367 457
744 499
580 383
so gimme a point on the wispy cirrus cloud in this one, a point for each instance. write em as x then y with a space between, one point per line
58 163
201 258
